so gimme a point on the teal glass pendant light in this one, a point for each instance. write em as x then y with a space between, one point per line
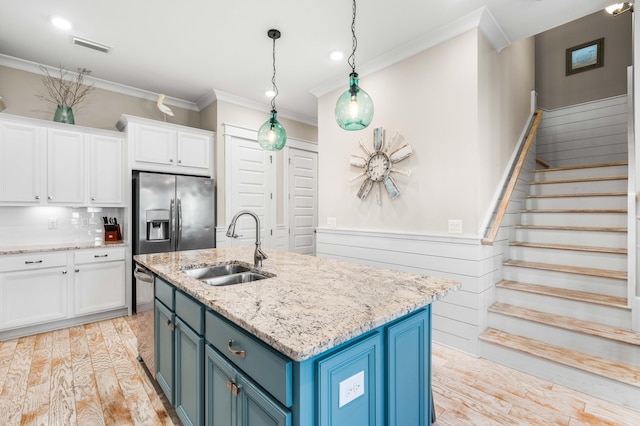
354 109
271 135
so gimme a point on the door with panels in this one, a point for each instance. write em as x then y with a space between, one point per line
302 200
251 185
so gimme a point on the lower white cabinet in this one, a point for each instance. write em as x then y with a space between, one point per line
98 280
33 297
99 287
38 290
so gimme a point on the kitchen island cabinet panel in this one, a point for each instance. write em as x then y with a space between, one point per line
220 404
350 387
231 398
408 375
165 349
20 158
189 377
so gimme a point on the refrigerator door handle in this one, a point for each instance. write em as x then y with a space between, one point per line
172 241
179 214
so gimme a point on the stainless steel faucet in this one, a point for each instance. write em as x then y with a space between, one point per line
258 254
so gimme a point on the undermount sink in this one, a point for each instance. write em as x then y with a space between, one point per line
229 274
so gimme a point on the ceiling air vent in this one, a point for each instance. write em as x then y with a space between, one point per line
91 44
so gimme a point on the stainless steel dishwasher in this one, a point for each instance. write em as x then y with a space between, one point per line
145 319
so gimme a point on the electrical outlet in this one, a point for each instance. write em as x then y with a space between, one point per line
455 226
85 221
52 222
332 222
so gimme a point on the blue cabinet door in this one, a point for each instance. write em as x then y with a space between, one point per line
165 344
255 408
350 385
220 404
189 380
409 371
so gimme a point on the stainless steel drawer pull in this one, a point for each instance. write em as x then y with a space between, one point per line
30 262
100 255
236 352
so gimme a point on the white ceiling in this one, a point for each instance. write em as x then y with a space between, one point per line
187 49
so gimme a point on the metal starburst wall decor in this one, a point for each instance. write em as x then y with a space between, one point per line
380 164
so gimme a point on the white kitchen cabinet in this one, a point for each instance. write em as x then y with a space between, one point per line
20 163
106 170
168 148
65 167
99 282
48 163
34 289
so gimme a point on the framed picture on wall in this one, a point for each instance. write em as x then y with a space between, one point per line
585 56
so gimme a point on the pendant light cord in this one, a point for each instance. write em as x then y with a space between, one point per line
354 41
273 79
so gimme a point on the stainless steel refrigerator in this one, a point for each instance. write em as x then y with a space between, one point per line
170 213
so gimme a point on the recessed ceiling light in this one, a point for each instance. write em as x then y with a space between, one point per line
269 93
336 55
61 23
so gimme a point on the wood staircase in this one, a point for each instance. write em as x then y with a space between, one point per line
561 311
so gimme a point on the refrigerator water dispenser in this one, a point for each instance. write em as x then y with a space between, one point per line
157 224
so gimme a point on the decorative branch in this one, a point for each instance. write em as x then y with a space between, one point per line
65 91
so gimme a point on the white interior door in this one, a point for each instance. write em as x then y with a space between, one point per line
250 186
303 200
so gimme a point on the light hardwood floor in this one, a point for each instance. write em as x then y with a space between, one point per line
89 375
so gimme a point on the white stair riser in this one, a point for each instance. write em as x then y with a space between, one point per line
581 173
591 384
608 286
582 238
571 308
585 203
579 187
605 220
569 339
616 262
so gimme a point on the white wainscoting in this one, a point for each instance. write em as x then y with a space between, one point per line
589 133
460 317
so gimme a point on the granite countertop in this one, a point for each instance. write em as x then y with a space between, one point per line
78 245
312 304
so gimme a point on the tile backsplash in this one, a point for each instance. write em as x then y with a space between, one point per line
20 226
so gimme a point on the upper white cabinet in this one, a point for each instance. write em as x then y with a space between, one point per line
65 167
20 158
49 163
169 148
106 172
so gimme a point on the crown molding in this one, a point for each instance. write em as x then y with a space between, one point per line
219 95
32 67
480 18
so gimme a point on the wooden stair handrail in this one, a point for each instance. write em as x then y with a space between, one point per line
506 198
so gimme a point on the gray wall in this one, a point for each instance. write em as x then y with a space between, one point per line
556 90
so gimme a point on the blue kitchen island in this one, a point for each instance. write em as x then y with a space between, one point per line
315 342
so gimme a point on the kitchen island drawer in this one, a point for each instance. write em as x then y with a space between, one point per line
268 367
165 293
99 255
32 261
190 312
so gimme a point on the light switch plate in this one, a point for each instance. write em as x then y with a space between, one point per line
455 226
332 222
52 223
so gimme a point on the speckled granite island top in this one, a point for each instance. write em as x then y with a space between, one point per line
311 305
